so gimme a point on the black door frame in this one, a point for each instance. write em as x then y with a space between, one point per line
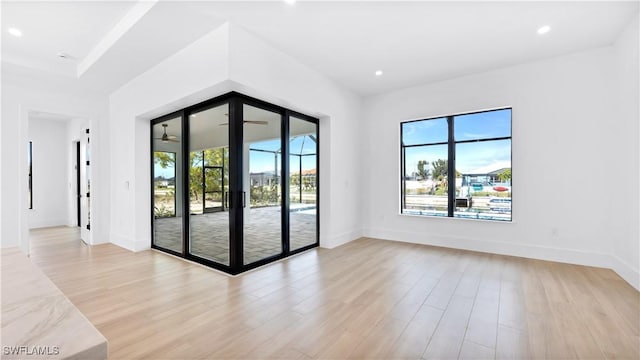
78 188
206 209
235 102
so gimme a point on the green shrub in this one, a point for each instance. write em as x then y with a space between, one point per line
162 211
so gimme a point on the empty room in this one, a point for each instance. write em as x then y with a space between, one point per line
320 179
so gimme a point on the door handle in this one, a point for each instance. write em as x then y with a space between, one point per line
226 199
244 199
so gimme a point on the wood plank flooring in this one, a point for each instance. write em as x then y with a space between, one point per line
368 299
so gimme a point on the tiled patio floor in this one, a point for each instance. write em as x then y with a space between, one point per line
262 235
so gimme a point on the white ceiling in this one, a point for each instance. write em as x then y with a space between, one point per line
47 116
52 27
412 42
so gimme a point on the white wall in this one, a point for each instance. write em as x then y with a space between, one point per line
193 74
623 222
27 90
266 73
224 60
565 156
50 164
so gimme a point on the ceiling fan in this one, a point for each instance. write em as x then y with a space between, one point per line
167 138
257 122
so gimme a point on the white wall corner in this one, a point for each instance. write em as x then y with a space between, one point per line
333 241
128 21
625 271
195 73
141 245
101 239
129 243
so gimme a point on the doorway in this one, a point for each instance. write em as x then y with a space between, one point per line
237 203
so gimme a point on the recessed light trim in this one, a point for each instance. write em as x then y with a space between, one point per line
379 72
15 32
65 56
290 2
544 29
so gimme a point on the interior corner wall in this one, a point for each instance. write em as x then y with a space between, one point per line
624 217
230 59
565 157
24 90
193 74
257 69
50 164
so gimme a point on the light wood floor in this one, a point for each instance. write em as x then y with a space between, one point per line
366 299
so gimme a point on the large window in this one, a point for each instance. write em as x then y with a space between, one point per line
458 166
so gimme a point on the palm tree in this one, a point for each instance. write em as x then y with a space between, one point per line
505 175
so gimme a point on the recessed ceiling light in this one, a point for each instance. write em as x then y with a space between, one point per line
65 56
543 30
290 2
15 32
378 72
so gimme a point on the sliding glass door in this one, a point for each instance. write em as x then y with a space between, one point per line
209 184
250 189
166 142
262 185
303 182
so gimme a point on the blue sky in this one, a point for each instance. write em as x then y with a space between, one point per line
469 156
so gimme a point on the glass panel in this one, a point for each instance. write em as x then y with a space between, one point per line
483 181
303 183
484 125
209 184
261 184
167 182
425 180
425 132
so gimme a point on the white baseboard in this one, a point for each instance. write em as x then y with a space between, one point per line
122 241
628 273
569 256
129 243
100 239
141 245
333 241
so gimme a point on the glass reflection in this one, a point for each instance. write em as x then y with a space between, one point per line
167 167
262 197
303 183
209 184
